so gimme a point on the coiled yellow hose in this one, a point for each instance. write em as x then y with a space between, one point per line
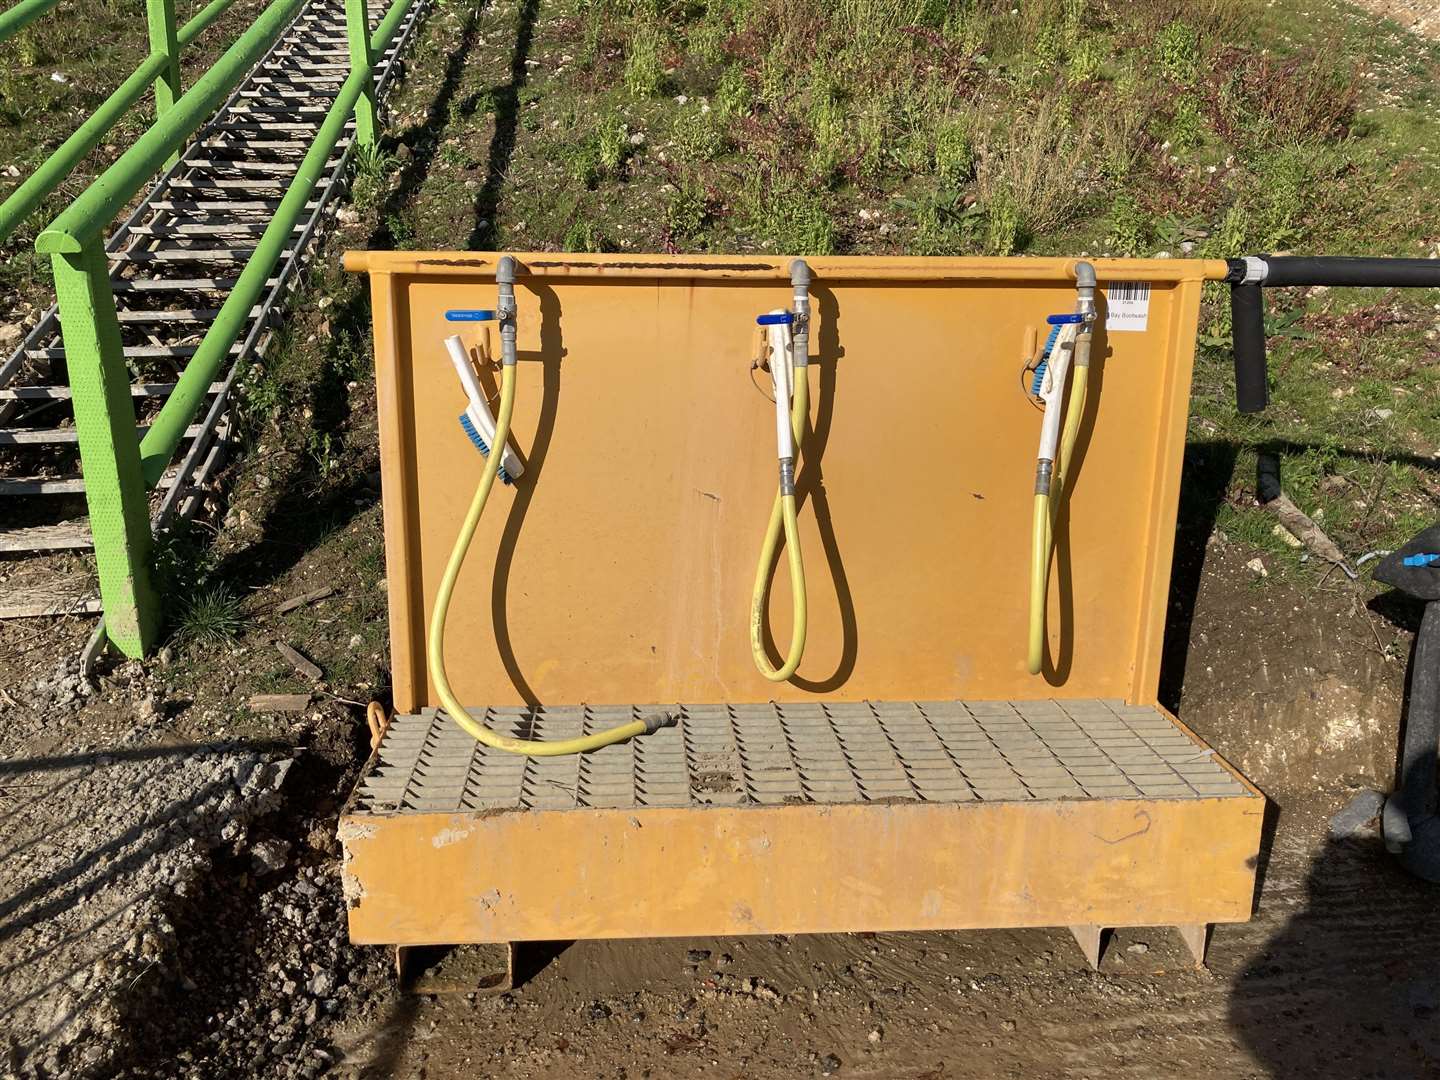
436 653
783 513
1047 507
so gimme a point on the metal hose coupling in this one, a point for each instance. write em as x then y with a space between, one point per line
800 325
1044 468
787 476
657 720
505 308
1085 284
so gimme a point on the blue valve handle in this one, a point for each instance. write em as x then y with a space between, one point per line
469 315
780 318
1423 559
1063 320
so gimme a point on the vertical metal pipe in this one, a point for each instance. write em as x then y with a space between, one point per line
1247 321
362 58
160 19
105 429
505 308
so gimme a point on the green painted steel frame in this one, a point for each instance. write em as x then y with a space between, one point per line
15 19
118 471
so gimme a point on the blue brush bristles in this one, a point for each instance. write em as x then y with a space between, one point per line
481 445
1039 379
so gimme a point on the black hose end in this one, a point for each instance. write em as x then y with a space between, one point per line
1247 322
655 721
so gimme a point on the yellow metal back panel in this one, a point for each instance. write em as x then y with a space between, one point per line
620 567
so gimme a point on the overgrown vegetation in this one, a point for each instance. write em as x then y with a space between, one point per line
1056 127
887 126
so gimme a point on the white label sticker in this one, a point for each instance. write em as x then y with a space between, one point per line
1127 305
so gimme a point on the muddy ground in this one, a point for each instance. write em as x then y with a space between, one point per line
170 901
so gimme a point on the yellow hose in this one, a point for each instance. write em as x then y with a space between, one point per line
457 712
783 513
1039 567
1046 508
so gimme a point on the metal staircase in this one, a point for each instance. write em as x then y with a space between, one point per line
172 263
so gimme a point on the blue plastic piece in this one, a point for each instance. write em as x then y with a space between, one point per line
469 315
1421 560
1064 320
481 445
779 318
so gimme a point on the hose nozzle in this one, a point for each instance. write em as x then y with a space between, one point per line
657 720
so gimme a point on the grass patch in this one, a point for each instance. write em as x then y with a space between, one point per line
892 126
211 614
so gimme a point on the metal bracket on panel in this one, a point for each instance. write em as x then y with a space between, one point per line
1091 939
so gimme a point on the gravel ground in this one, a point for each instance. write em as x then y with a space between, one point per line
169 906
1417 16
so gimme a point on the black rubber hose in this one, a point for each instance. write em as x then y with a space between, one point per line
1334 270
1418 793
1247 321
1418 758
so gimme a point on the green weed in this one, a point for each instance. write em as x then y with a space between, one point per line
954 152
945 225
612 143
734 96
644 68
697 136
1006 227
791 219
1129 226
373 169
211 613
686 211
1177 53
1187 123
584 236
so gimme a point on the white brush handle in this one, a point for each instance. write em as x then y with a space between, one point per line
478 409
1052 390
782 359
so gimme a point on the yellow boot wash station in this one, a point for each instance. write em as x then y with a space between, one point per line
962 730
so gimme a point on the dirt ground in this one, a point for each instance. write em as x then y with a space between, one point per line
170 899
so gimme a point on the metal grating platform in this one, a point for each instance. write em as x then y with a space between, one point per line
830 753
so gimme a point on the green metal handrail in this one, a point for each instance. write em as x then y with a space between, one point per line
119 469
85 218
159 69
15 19
168 427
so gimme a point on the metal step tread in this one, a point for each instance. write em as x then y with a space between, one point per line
62 536
781 754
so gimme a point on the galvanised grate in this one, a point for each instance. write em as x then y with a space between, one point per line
768 754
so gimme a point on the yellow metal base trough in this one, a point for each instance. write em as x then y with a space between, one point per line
761 819
620 567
